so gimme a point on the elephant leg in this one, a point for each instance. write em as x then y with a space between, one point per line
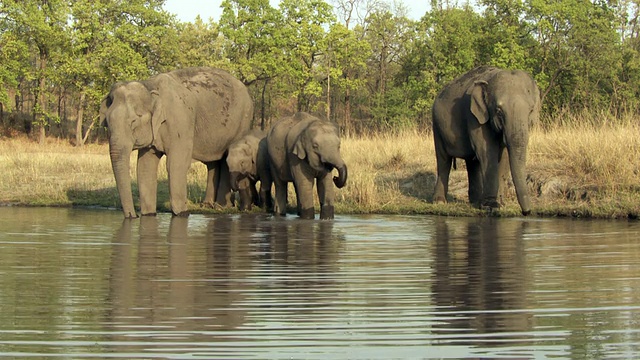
148 160
265 194
503 175
212 169
177 168
255 197
326 194
489 165
280 207
303 183
474 174
295 190
246 200
222 190
444 162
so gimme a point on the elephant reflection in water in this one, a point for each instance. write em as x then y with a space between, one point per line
180 279
307 252
479 281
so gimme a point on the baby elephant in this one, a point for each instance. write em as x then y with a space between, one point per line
304 148
248 163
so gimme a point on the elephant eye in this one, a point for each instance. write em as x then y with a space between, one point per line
135 121
316 146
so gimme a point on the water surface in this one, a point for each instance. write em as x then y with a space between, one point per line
78 283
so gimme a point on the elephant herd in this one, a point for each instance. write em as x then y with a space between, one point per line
205 114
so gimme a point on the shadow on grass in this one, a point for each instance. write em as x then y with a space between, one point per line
418 185
109 198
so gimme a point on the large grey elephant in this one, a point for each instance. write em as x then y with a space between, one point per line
193 113
484 117
303 149
248 162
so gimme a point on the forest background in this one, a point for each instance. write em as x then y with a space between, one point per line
363 63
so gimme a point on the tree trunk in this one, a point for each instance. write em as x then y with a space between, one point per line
40 111
79 122
263 105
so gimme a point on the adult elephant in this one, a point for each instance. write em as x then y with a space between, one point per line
304 149
484 117
192 113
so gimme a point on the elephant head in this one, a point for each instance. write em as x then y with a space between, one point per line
510 102
319 143
133 114
242 164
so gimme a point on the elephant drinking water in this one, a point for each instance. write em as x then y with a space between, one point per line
192 113
304 149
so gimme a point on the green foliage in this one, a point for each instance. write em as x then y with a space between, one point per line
201 44
374 66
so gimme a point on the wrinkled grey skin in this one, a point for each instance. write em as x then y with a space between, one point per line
484 117
248 162
193 113
303 149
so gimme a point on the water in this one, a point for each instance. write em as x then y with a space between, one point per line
78 283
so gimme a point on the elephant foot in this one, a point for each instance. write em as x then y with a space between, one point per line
490 204
150 214
182 214
307 214
526 212
439 200
326 212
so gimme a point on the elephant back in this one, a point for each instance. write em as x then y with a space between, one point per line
221 107
276 148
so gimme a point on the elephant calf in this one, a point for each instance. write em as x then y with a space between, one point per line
484 117
303 149
248 163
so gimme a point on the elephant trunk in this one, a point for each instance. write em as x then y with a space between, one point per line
120 162
341 180
234 178
517 161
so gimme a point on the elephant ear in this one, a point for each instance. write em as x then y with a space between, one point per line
298 149
158 114
479 107
535 113
104 106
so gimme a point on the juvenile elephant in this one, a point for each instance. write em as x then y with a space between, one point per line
193 113
303 148
484 117
248 162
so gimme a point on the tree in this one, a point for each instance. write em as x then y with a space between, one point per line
14 62
446 45
579 50
506 42
253 31
41 24
201 44
345 66
388 35
305 41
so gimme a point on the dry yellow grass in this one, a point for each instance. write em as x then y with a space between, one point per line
589 170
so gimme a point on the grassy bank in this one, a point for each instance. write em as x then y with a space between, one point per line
578 171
